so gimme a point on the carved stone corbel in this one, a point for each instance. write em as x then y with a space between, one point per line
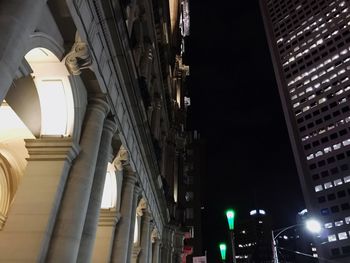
121 159
79 57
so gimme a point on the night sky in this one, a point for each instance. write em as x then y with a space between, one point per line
236 108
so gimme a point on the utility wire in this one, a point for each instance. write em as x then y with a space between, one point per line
306 255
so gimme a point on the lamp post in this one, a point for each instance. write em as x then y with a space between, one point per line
230 214
312 225
222 247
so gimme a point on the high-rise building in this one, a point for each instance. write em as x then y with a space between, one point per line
92 125
253 238
310 46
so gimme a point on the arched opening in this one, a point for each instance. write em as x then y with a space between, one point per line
38 104
109 197
55 95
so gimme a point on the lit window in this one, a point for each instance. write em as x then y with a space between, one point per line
327 149
310 89
319 153
338 182
342 235
311 97
339 92
296 104
346 142
347 220
341 71
319 187
339 223
346 179
336 146
328 225
322 100
332 238
309 157
328 185
306 108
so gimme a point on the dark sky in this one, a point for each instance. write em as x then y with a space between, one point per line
236 107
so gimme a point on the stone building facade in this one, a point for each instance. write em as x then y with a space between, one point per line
92 114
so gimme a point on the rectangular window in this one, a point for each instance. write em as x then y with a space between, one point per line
342 235
328 185
339 223
328 225
332 238
319 187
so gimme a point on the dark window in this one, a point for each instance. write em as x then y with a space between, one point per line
322 199
346 249
334 170
335 251
325 211
331 197
345 206
335 209
325 173
344 167
341 194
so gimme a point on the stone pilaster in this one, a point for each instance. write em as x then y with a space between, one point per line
156 250
156 114
92 215
18 19
122 237
145 237
32 216
167 245
104 237
133 218
65 244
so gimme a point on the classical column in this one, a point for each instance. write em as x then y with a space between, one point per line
18 19
145 236
31 218
64 246
92 215
120 251
155 250
131 251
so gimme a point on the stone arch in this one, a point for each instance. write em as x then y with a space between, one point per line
55 45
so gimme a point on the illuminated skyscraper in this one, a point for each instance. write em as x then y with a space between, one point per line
310 46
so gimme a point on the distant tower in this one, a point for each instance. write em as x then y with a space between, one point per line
310 47
253 238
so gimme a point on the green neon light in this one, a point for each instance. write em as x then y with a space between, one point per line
223 248
230 214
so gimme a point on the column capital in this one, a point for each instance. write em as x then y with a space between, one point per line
51 148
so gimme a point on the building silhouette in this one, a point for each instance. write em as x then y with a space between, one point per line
93 130
253 238
309 42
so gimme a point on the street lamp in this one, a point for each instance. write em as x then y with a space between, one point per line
222 247
311 224
230 214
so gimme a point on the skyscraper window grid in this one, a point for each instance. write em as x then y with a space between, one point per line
309 41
